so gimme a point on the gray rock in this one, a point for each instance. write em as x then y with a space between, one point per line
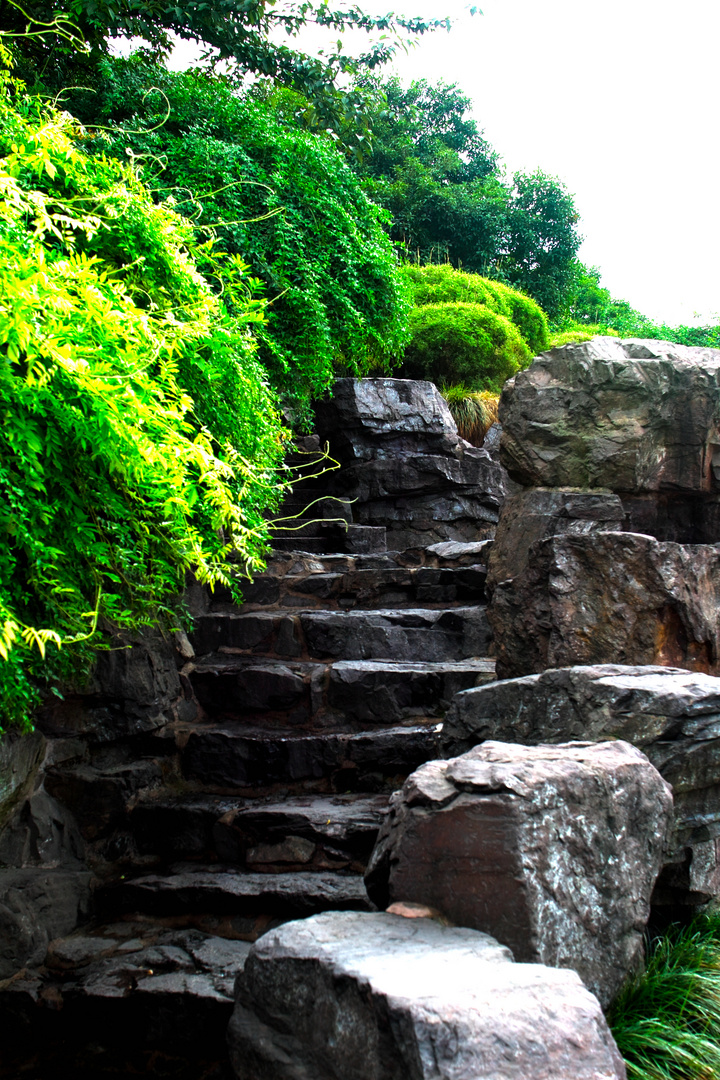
368 417
671 714
133 689
631 416
42 833
20 756
232 892
554 850
538 513
609 597
335 827
232 756
349 997
37 905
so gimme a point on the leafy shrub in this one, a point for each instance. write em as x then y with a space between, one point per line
463 343
442 284
140 440
282 198
474 411
666 1021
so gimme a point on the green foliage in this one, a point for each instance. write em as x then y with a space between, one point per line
474 411
543 240
463 343
282 198
442 284
666 1021
140 440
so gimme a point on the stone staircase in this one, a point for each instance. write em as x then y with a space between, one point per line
260 802
308 717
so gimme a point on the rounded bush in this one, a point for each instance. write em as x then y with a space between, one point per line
463 343
443 284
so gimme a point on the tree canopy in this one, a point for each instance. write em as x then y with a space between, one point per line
242 34
443 184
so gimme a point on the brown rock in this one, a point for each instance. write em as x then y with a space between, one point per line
552 850
609 597
673 716
537 513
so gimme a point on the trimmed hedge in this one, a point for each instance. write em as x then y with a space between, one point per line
442 284
463 343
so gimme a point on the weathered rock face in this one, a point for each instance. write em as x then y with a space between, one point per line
609 597
536 513
20 757
672 715
37 905
134 688
406 467
625 415
348 996
554 850
372 418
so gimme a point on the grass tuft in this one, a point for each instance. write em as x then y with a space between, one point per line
474 411
666 1020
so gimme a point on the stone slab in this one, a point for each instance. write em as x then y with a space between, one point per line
352 996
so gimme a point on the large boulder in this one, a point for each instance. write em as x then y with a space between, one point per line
350 996
554 850
609 597
671 714
631 416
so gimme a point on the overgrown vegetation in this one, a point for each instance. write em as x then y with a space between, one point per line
442 284
467 330
282 197
666 1021
140 439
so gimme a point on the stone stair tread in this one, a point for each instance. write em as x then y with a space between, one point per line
118 992
362 588
415 633
192 888
325 832
231 662
231 756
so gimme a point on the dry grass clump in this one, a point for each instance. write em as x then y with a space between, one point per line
474 411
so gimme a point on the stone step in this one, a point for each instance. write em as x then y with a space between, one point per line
410 634
387 587
328 537
190 889
347 692
228 757
114 998
317 832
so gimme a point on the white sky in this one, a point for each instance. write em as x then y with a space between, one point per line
619 100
